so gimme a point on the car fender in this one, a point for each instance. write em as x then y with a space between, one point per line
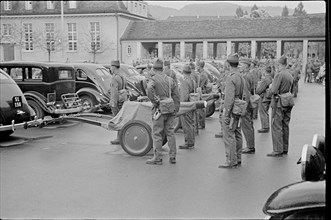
296 197
39 98
101 98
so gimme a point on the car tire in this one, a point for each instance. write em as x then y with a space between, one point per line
88 103
178 124
210 110
136 138
37 109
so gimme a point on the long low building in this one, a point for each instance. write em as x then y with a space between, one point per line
143 39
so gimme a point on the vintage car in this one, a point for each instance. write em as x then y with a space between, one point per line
49 88
304 199
92 86
14 109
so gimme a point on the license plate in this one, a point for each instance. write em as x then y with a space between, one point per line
17 101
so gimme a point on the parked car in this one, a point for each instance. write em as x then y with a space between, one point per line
49 88
304 199
14 109
92 86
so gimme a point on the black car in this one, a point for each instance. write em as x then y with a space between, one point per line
92 86
14 109
49 88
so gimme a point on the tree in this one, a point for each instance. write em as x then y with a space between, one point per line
285 11
239 12
254 8
299 11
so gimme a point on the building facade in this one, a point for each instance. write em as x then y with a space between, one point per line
204 38
60 31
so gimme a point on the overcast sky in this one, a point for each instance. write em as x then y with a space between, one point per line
309 6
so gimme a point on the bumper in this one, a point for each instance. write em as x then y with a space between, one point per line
25 125
67 110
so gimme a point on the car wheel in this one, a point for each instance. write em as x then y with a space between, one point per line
178 125
136 138
37 109
210 110
88 104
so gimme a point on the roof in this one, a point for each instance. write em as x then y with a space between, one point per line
197 18
308 26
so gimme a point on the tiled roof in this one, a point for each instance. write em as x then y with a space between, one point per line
309 26
197 18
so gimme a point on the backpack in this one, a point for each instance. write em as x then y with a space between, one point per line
123 93
167 105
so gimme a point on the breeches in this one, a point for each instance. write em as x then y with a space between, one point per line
264 114
247 128
233 141
280 129
188 125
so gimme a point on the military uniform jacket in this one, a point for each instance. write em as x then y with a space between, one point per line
262 88
251 83
296 74
233 89
116 84
171 74
203 81
282 83
158 86
188 86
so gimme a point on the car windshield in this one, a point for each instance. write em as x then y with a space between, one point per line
65 74
102 72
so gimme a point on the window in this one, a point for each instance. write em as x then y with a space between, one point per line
50 36
95 36
6 29
28 36
16 73
81 75
28 5
65 74
7 5
72 4
129 50
72 37
50 4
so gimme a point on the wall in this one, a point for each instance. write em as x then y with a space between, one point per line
126 58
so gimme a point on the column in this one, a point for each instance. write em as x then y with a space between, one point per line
215 50
228 47
182 50
304 56
279 49
173 49
139 50
205 49
253 49
160 49
236 47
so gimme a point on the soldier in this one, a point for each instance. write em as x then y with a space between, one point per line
232 132
187 120
117 83
221 89
281 115
247 119
265 100
296 74
169 72
202 83
158 89
257 78
309 71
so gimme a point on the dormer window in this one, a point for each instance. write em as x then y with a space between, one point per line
72 4
50 4
7 5
28 5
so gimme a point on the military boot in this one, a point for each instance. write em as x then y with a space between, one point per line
155 160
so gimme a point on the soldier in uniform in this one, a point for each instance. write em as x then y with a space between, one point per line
257 78
281 116
265 100
232 133
187 120
247 119
158 89
202 82
169 72
117 83
296 74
